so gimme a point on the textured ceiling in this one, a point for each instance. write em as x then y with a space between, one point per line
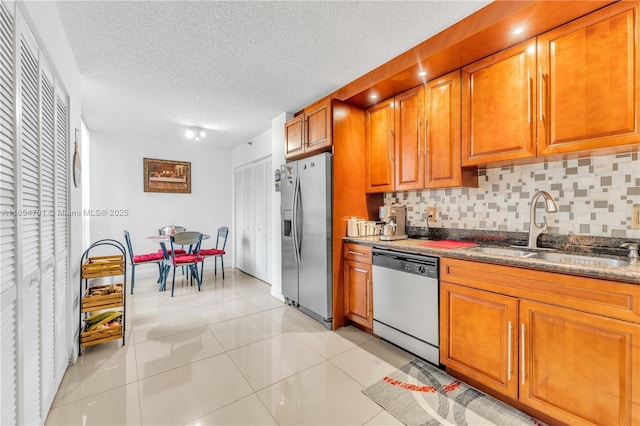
153 68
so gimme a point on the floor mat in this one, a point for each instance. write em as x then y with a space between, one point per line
421 394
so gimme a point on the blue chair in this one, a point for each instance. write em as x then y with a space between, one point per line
217 252
142 259
190 260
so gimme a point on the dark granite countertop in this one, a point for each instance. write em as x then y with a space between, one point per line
628 274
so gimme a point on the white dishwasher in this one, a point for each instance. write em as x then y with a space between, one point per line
406 301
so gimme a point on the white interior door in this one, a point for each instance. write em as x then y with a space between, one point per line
47 235
239 218
247 248
29 291
260 220
8 225
34 265
268 193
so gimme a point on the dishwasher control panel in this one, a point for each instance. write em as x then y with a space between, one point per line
418 269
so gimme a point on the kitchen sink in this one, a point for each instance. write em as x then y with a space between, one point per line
572 259
504 252
582 260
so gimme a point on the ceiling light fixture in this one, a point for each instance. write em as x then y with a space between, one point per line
517 30
422 74
195 133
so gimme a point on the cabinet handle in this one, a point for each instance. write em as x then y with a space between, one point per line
509 353
528 97
541 96
522 350
392 139
426 136
369 305
355 252
419 144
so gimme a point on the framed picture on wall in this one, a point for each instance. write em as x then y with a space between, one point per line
167 176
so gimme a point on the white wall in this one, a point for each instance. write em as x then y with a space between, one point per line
277 152
117 184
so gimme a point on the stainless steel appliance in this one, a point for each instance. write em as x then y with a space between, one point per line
306 236
405 302
395 219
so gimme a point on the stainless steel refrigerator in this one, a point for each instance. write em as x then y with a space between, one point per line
306 236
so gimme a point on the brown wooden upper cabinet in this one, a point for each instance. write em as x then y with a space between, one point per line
394 143
310 131
409 140
581 96
443 127
588 82
378 147
497 106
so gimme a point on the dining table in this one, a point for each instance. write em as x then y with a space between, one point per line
162 240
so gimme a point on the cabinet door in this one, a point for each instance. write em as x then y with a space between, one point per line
379 120
358 305
497 107
579 368
443 128
409 140
318 125
589 84
294 136
478 336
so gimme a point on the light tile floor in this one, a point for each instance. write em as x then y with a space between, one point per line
228 355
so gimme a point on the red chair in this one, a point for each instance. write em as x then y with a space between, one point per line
217 252
142 259
190 260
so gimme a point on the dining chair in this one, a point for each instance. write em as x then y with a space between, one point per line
142 259
217 252
166 230
190 260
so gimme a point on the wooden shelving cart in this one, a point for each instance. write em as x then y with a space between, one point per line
102 307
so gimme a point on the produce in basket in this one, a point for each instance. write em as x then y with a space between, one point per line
100 320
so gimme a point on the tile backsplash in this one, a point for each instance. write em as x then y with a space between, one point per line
594 195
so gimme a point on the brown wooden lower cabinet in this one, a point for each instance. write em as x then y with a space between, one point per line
574 366
358 300
478 336
578 367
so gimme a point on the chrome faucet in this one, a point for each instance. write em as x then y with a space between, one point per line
534 229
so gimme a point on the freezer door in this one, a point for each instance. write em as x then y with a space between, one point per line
289 261
314 239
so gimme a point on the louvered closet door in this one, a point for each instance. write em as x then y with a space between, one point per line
239 219
248 242
29 226
260 220
8 201
47 249
269 188
61 226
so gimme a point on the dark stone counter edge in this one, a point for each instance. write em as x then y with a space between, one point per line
627 274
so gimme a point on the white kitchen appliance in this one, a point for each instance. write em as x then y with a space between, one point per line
305 210
405 302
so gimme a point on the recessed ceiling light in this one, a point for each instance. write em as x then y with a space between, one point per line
422 73
374 96
195 133
517 30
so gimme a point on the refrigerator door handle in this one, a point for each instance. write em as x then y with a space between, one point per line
294 223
